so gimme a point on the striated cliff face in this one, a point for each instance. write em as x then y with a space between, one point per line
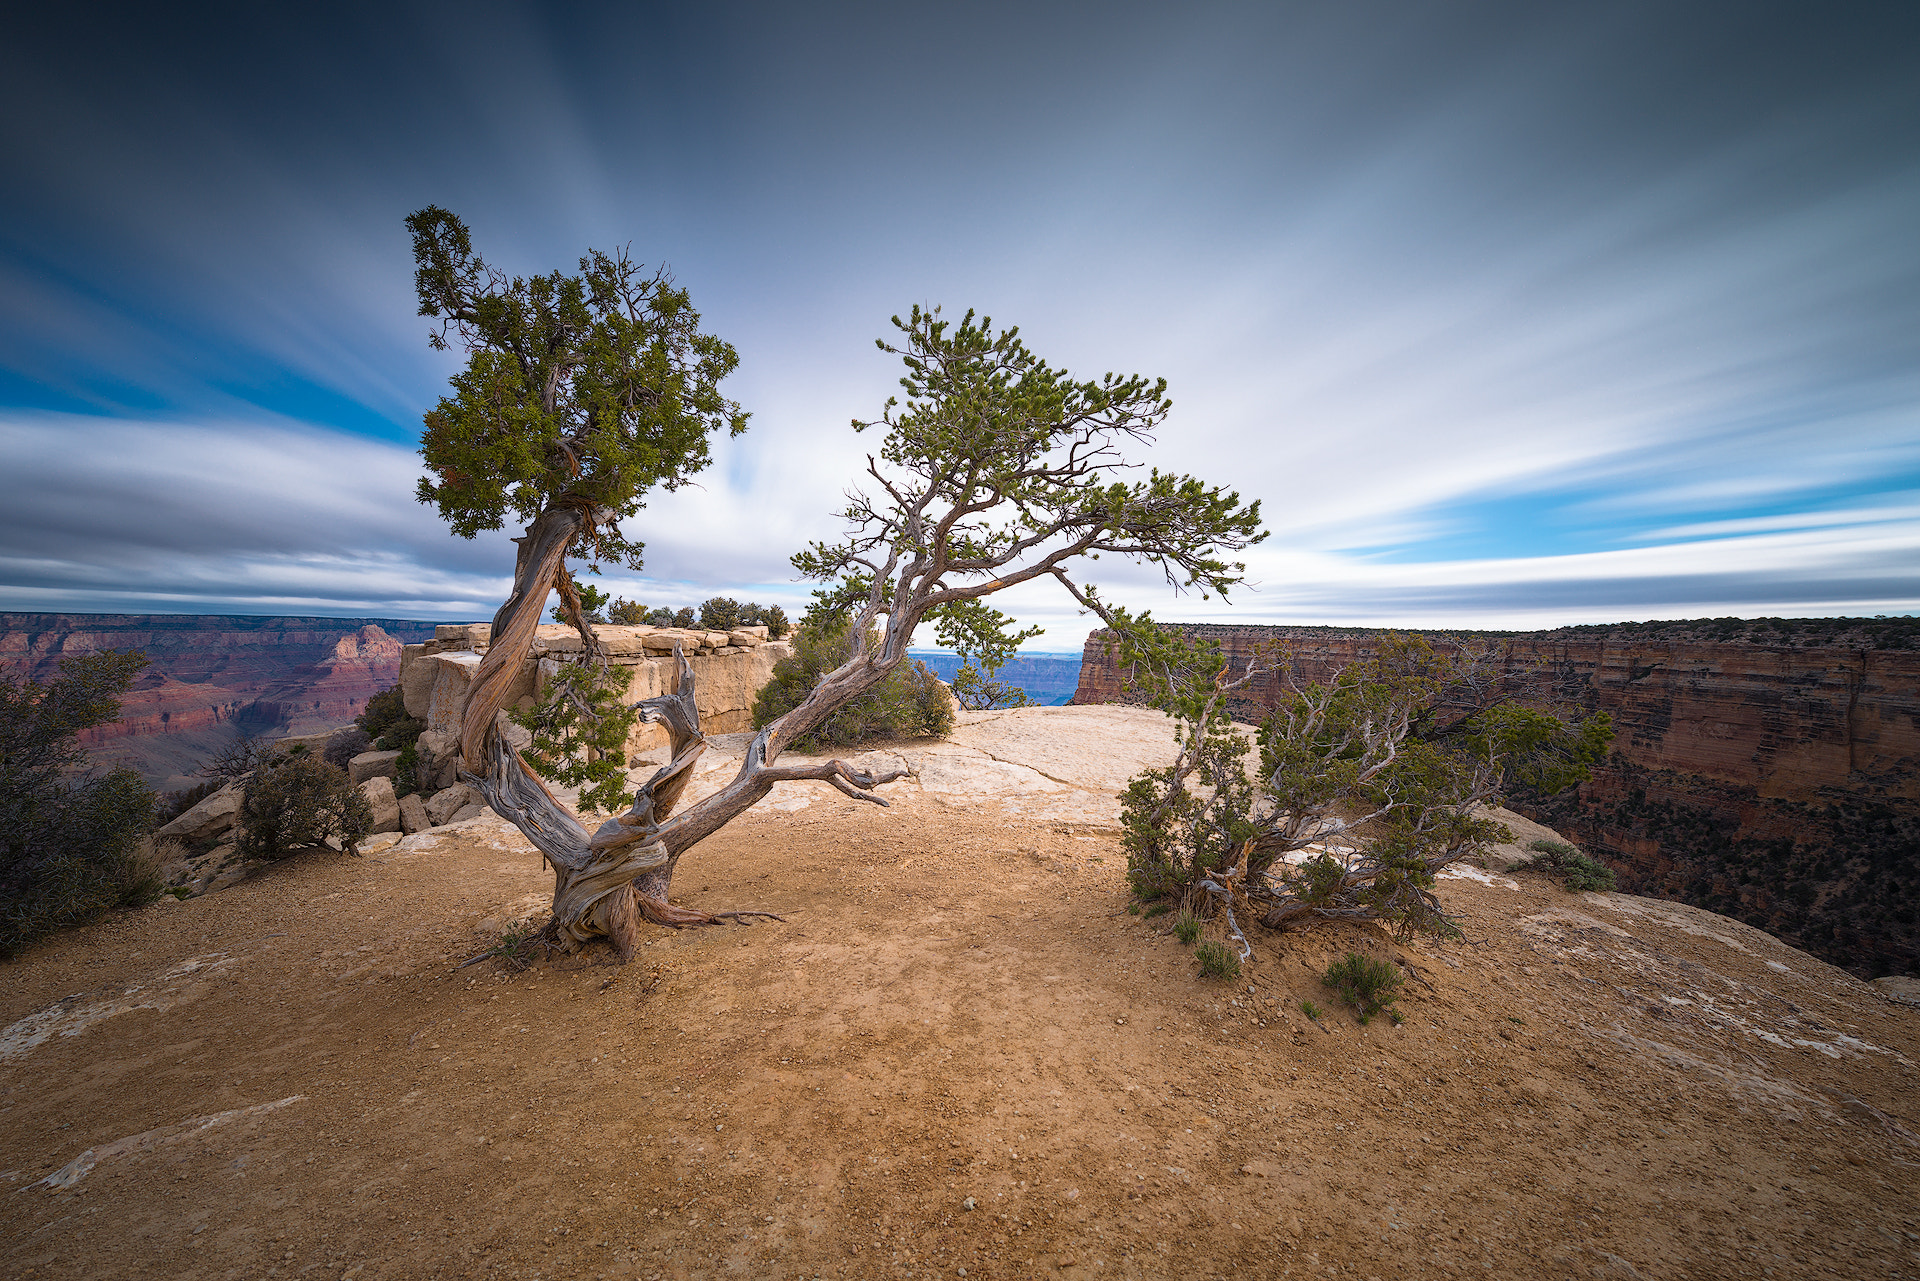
1769 771
212 677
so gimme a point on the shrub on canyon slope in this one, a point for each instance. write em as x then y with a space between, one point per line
70 839
299 801
1368 784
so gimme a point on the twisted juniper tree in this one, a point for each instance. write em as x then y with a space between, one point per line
1368 784
996 470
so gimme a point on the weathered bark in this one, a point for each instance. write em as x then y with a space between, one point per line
606 883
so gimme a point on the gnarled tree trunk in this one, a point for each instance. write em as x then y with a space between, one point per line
609 881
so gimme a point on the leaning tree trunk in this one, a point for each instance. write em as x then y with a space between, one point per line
607 882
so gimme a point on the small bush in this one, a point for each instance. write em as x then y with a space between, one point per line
345 745
592 601
1311 1010
1369 986
720 614
517 949
909 702
1217 960
1186 927
298 802
386 723
71 842
580 727
383 710
1174 836
1576 871
1155 909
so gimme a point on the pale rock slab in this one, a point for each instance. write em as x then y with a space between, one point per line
413 814
452 681
385 805
373 765
210 817
440 759
448 802
416 681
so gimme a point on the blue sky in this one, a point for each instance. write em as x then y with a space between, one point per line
1512 315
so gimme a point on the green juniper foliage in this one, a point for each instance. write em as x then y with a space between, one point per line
1368 784
586 389
984 639
1576 871
1368 985
592 604
580 726
908 703
299 801
70 839
1188 820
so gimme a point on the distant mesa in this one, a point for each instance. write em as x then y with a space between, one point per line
213 678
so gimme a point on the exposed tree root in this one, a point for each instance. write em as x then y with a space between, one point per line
661 912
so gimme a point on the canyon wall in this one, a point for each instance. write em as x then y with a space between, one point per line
1767 770
211 678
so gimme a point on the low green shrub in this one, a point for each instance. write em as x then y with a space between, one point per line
71 842
1576 871
385 721
1311 1010
1368 985
298 802
1175 832
1186 927
1217 960
910 702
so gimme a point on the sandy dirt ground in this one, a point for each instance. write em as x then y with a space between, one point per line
958 1056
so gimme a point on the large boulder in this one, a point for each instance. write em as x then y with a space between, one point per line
452 680
373 765
413 814
416 681
727 684
386 806
439 760
212 816
449 801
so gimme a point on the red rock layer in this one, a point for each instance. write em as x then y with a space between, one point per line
263 675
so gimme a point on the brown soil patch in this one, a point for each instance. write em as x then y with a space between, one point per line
958 1007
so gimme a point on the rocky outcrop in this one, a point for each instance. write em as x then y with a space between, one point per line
1767 770
210 677
729 668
